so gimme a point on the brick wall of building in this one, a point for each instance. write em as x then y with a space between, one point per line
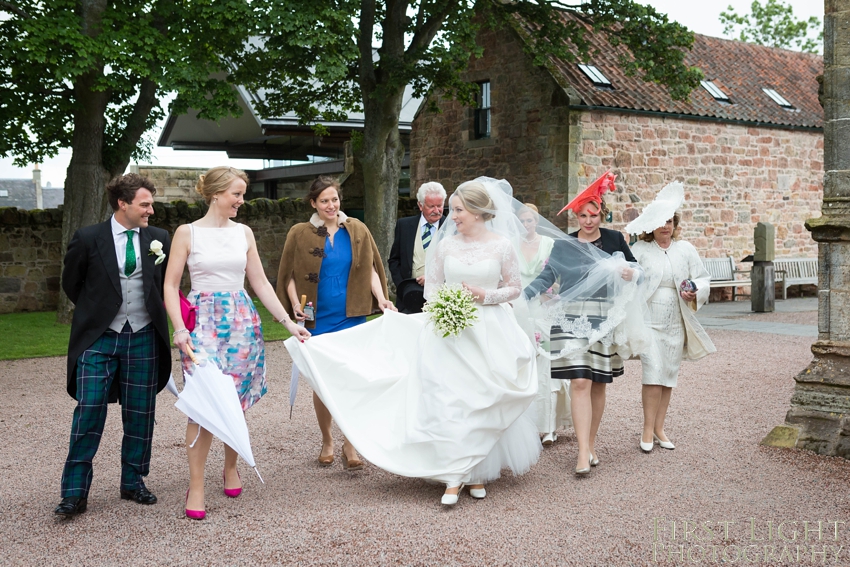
529 141
734 175
172 183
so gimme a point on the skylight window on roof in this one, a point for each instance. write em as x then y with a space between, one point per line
714 91
595 75
778 98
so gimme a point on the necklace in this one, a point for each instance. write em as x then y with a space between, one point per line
532 241
661 247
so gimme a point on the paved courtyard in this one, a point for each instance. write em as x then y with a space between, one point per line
719 495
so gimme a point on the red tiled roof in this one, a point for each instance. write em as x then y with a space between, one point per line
739 69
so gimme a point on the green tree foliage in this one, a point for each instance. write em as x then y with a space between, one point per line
774 24
90 75
326 58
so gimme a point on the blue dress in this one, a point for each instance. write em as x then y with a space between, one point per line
333 287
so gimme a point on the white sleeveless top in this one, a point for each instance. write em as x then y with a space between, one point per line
217 258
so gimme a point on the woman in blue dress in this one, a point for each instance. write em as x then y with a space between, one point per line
333 262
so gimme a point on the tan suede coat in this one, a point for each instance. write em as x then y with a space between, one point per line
302 257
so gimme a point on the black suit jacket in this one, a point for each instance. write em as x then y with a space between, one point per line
561 267
401 253
91 280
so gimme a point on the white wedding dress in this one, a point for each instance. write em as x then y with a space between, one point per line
420 405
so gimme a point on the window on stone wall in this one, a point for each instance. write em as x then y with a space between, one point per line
482 111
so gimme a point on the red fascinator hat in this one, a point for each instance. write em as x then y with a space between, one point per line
593 193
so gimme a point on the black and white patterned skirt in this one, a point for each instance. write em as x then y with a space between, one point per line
599 363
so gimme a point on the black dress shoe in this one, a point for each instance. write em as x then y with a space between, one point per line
71 506
140 495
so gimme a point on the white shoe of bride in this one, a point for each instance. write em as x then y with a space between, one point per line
478 492
549 438
451 499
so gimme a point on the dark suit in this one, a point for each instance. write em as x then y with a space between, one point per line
409 294
107 366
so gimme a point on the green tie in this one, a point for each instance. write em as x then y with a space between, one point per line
130 257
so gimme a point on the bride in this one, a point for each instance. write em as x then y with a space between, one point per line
452 410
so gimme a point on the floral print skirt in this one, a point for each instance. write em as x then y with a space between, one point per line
228 333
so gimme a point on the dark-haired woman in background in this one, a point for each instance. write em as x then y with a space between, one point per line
334 262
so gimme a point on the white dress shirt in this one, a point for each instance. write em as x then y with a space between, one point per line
120 237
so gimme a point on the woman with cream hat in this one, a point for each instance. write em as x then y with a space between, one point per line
677 285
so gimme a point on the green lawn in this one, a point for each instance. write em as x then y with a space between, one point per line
34 335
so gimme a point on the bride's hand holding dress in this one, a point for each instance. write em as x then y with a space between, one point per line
420 405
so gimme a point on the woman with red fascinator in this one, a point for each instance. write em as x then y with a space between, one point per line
592 369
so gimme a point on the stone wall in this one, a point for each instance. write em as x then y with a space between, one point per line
734 176
30 259
31 244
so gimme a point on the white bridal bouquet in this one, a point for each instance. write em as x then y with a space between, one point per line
452 309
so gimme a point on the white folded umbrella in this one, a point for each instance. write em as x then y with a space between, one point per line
293 388
172 386
293 382
209 398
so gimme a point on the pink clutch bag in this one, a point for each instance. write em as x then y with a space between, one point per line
188 311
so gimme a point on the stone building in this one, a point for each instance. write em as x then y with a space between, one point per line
748 145
172 183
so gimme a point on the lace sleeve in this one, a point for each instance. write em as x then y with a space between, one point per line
510 284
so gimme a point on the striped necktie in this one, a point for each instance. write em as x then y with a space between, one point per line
426 235
129 255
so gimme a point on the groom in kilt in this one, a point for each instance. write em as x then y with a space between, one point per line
119 348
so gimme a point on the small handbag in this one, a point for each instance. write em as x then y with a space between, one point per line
188 311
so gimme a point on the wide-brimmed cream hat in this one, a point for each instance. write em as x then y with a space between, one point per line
659 211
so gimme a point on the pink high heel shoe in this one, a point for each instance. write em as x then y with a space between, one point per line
194 514
232 492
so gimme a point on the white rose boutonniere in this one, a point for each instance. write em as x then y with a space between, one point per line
156 250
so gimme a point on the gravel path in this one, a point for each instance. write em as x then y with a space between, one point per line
305 515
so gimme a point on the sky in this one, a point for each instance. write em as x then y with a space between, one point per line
701 17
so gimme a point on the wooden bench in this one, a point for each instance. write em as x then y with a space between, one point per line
795 271
723 274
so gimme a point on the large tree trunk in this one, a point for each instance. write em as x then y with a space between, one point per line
380 155
85 201
85 181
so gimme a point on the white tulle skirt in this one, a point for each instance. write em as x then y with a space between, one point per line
416 404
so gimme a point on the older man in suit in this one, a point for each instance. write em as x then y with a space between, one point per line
412 237
119 347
